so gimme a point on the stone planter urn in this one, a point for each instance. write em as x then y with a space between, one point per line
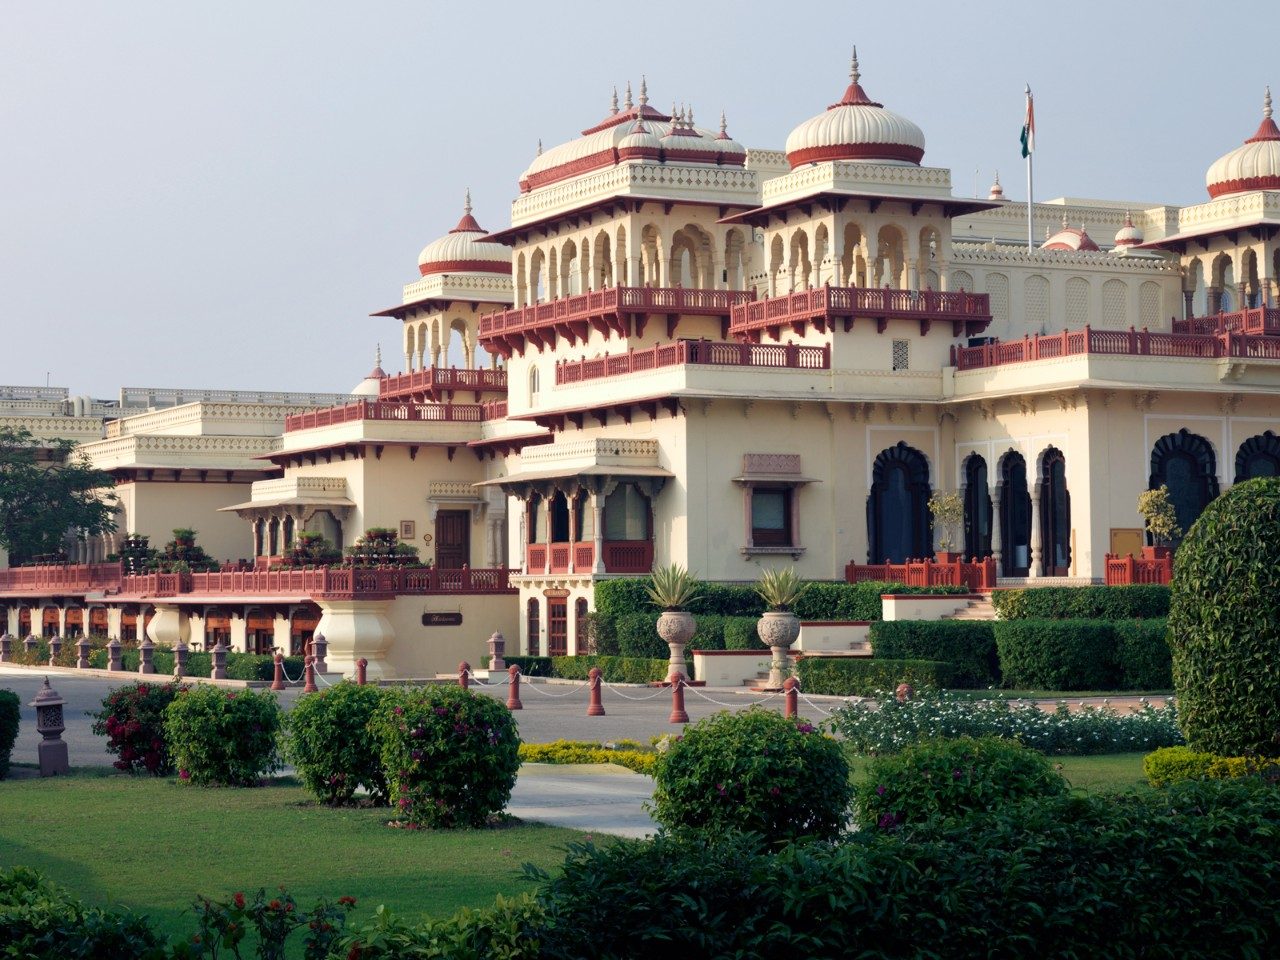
779 630
676 627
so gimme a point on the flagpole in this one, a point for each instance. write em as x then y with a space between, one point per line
1030 206
1029 149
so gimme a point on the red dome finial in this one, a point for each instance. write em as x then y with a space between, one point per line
468 223
854 95
1267 130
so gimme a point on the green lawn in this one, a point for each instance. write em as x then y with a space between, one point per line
154 844
1105 773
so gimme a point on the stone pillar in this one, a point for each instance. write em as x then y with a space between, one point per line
597 507
1212 300
239 631
996 534
524 537
1036 570
1188 304
281 632
357 629
943 282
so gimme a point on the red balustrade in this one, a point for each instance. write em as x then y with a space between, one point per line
827 303
1259 321
436 381
707 352
382 410
62 578
628 556
1130 570
1136 343
620 556
974 574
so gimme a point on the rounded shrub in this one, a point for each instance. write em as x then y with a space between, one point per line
952 778
1224 623
10 714
132 720
332 747
450 755
223 737
756 771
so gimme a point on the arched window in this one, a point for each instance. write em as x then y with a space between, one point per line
533 623
1015 516
1055 514
288 533
533 383
273 537
584 521
977 509
259 542
1185 463
537 519
1258 457
559 515
626 514
899 527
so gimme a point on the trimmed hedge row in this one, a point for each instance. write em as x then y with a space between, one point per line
1084 655
240 666
858 677
10 714
614 669
1082 603
968 645
1174 764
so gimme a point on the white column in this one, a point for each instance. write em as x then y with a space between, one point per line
597 507
994 493
1036 570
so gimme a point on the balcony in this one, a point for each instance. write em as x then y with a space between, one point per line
968 313
1258 321
709 353
441 383
61 578
1136 343
977 575
623 310
620 556
381 410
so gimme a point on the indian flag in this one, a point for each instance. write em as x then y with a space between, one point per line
1029 127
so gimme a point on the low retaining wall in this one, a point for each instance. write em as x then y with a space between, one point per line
730 668
834 635
924 606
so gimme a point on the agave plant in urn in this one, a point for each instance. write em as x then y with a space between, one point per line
779 626
673 589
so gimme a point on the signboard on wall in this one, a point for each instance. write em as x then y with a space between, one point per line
445 619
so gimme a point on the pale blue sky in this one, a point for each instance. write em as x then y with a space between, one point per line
216 196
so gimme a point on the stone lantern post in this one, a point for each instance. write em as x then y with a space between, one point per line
52 749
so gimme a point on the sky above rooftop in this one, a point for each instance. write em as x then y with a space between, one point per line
218 196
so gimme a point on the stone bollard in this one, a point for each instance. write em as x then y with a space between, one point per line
464 675
219 668
678 714
55 650
362 674
6 648
904 692
52 750
594 707
113 656
791 698
146 656
30 644
277 681
310 685
179 661
83 649
513 695
497 648
319 649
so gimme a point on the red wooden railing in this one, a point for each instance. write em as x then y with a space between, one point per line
620 556
1137 343
860 301
62 578
1130 570
1259 321
382 410
437 380
711 353
974 574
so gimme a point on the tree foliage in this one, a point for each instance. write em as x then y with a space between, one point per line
48 490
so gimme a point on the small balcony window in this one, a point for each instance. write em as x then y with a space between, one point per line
771 516
626 514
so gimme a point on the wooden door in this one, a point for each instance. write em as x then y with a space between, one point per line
557 627
453 539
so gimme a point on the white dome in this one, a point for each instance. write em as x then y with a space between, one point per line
640 141
1253 166
1070 238
1128 235
462 251
856 128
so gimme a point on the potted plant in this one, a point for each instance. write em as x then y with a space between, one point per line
672 591
779 626
1162 522
948 513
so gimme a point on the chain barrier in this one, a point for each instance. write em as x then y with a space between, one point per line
695 690
661 692
297 679
555 696
825 713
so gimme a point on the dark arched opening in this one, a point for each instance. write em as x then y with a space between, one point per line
899 527
1258 457
1055 514
1184 462
977 508
1015 516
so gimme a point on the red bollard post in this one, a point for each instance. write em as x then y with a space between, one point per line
594 707
362 665
791 697
310 686
513 697
277 682
678 714
464 674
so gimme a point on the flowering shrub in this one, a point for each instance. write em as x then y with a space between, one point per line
223 737
952 778
890 726
226 925
625 753
753 770
1175 764
331 745
450 755
132 720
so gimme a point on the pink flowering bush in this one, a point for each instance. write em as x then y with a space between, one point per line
755 771
450 756
132 720
221 737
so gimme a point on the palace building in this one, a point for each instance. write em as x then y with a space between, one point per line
684 350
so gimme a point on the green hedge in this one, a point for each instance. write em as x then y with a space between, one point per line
1143 656
613 669
529 666
10 714
1082 603
968 645
240 666
1057 654
862 677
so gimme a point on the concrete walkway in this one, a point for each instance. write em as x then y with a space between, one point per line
592 797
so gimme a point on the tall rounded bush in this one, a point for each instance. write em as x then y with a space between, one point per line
132 720
332 746
223 737
10 715
952 778
450 755
753 770
1224 623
